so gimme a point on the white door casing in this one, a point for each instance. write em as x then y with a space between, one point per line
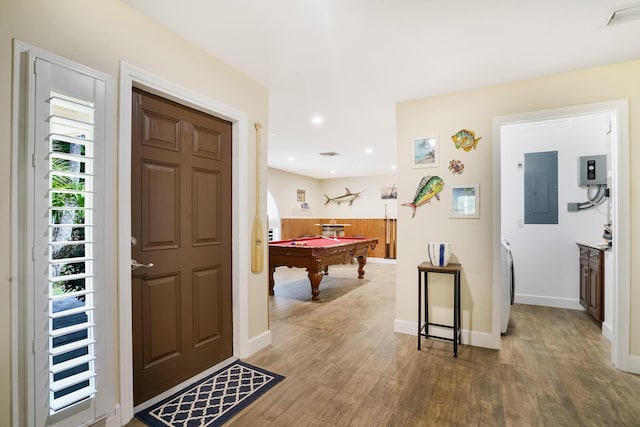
131 76
620 354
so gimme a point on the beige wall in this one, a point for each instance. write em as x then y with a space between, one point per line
100 34
283 186
471 240
367 205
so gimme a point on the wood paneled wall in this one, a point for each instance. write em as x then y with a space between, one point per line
296 227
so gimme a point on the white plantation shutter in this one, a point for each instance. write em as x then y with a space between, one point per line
71 241
68 243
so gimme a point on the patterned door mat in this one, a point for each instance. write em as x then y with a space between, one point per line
214 400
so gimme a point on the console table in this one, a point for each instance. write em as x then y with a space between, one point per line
423 285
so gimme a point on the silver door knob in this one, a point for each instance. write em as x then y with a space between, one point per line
135 264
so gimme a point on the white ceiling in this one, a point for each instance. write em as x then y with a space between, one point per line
350 61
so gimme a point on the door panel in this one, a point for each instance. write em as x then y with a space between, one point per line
206 143
181 214
160 206
160 131
161 319
206 205
206 290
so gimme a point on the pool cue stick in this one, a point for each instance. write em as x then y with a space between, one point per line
335 239
257 249
394 231
387 235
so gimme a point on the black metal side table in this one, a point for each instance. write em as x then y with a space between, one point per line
423 324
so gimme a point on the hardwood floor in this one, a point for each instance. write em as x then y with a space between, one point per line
344 366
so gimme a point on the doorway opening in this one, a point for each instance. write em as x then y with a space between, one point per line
620 213
274 218
131 77
181 243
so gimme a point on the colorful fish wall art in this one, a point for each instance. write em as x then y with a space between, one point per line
456 167
428 188
465 139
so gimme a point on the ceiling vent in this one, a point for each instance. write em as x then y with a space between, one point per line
630 12
330 154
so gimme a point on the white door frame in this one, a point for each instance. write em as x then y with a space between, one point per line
131 76
620 356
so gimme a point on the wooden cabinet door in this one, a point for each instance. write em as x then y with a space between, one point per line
595 286
584 277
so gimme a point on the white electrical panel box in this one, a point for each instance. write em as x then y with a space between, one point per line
592 170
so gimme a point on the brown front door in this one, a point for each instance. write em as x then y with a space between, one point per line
181 220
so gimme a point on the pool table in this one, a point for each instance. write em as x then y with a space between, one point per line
316 254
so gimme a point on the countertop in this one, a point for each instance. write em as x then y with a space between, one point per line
595 245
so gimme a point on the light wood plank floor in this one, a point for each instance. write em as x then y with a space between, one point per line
344 366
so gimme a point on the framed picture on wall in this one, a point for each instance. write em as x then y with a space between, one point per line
389 192
301 195
425 152
465 201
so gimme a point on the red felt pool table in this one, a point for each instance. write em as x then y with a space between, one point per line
316 254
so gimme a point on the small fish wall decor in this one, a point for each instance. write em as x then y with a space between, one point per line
428 188
465 139
456 167
347 197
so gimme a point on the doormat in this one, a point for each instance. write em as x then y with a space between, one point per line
214 400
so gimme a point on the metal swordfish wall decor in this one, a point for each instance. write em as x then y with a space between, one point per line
347 197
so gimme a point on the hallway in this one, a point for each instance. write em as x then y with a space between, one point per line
344 366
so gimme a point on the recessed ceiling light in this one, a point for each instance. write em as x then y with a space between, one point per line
317 120
368 150
394 167
332 172
291 159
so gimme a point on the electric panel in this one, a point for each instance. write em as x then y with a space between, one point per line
541 188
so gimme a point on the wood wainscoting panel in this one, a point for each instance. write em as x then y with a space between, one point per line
298 227
292 228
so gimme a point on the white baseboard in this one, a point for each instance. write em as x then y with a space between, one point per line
259 342
607 331
473 338
570 303
634 364
481 339
114 420
382 260
405 327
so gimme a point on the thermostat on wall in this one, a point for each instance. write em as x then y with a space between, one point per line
592 170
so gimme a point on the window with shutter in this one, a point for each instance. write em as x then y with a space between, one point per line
69 270
71 251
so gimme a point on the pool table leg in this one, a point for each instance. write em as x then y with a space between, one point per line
272 270
362 261
315 277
